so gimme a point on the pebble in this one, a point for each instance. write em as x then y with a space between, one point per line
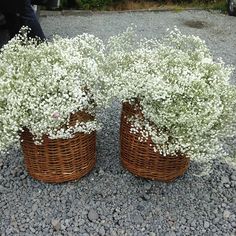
183 221
32 229
81 222
233 224
137 218
34 207
148 186
226 214
56 224
3 189
225 179
170 234
206 224
152 234
67 222
193 223
140 208
76 229
101 172
216 220
93 215
1 164
102 231
233 177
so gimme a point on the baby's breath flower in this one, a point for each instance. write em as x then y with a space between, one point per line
184 94
41 85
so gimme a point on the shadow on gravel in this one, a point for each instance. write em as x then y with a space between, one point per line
196 24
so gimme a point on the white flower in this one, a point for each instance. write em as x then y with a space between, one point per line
185 96
41 85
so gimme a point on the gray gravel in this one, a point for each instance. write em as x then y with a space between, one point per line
111 201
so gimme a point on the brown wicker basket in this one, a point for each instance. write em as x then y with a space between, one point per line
60 160
139 157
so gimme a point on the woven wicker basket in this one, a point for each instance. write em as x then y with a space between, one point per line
60 160
139 157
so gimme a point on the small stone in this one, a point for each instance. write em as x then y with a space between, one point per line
93 215
22 228
34 207
137 218
2 189
17 172
206 224
172 233
216 220
67 222
224 205
140 207
101 172
213 230
145 197
76 229
31 215
226 214
233 224
232 177
81 222
148 186
152 234
1 164
225 179
32 229
63 227
56 224
102 231
193 223
13 222
183 221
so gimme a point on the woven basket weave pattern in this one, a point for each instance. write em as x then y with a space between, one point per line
60 160
139 157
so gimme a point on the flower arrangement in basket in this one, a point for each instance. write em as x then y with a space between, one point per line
177 103
48 96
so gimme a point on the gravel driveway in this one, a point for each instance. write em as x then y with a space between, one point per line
111 201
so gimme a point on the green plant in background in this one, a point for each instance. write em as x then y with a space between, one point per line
219 5
63 3
142 4
68 4
93 4
203 4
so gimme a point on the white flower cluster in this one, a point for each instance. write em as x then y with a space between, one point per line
185 96
42 84
186 99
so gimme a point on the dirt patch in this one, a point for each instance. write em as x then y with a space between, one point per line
196 24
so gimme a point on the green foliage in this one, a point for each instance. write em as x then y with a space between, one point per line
193 1
93 4
104 4
63 3
220 5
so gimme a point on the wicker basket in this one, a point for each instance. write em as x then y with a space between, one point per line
60 160
139 157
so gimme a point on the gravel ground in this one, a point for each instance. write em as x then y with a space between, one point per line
109 200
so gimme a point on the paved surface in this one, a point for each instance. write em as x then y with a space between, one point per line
111 201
